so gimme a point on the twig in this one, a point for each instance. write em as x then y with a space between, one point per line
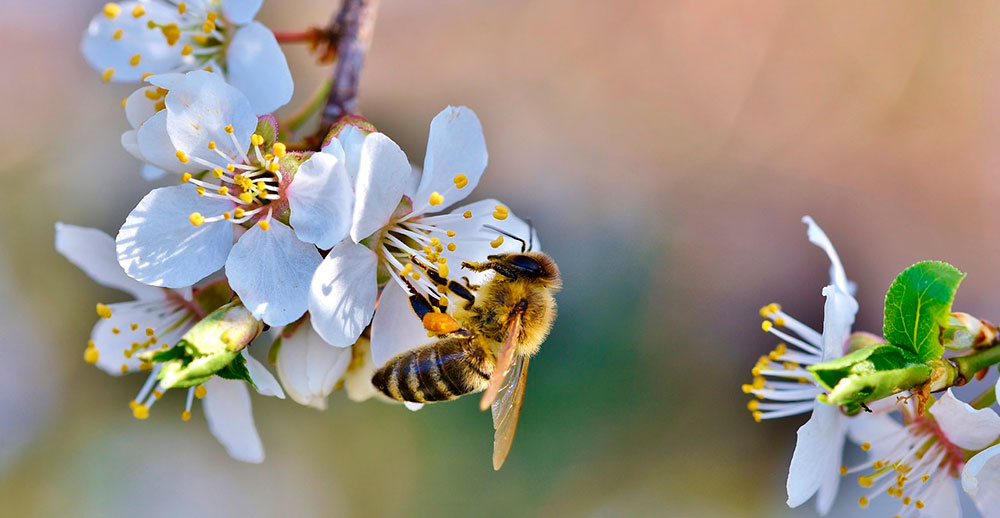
354 25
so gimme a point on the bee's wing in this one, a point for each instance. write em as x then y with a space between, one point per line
507 410
503 363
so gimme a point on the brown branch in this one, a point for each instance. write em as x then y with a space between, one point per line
354 25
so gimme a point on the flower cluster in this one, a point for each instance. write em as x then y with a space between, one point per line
876 392
306 249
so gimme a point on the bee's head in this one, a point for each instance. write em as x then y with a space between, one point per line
528 265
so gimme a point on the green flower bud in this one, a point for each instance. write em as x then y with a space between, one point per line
965 331
209 347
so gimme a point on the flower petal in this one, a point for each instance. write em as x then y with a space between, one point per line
321 199
455 146
199 109
981 478
266 384
155 146
240 11
113 336
963 425
348 144
93 252
257 67
230 419
139 107
158 246
395 327
309 368
105 48
358 380
382 174
819 238
941 498
817 453
151 172
839 311
270 271
343 291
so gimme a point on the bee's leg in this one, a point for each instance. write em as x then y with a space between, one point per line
434 276
468 284
489 265
421 306
456 288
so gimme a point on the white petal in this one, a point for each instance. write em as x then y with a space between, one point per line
412 407
102 51
240 11
155 146
965 426
230 419
875 429
151 172
817 453
111 345
472 239
941 499
309 368
167 81
257 67
981 480
93 252
839 311
395 327
348 143
455 146
130 141
139 107
199 109
343 291
266 384
382 175
159 246
321 199
358 381
270 270
819 238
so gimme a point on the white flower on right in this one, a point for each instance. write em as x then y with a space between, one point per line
780 389
981 477
130 41
157 319
919 462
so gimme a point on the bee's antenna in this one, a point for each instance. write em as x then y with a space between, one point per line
508 234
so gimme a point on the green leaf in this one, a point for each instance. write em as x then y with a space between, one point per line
237 370
917 306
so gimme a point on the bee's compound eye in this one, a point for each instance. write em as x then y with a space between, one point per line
526 264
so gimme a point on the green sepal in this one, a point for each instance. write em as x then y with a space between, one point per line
869 374
918 305
237 370
213 296
267 127
194 370
344 121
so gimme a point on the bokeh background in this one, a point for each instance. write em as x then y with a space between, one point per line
666 152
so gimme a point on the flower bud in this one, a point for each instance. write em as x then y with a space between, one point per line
869 374
210 346
965 331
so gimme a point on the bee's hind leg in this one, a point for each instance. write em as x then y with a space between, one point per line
420 304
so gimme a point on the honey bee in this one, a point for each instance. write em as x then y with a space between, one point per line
483 345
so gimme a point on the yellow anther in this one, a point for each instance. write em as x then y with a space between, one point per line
261 185
443 270
863 501
138 11
223 190
160 106
124 369
115 330
790 366
112 10
467 214
200 190
747 388
416 276
451 233
501 213
865 446
461 181
196 219
181 8
134 326
186 177
200 391
274 166
497 242
208 27
182 157
103 310
452 247
757 416
758 382
877 465
230 167
442 260
135 59
107 74
171 32
145 366
906 500
229 128
279 149
925 478
149 331
226 215
865 481
212 16
200 39
140 411
263 224
766 325
90 354
238 213
753 405
779 322
246 197
117 35
843 470
153 94
157 394
436 198
256 139
919 504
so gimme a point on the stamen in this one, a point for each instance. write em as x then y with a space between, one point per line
112 10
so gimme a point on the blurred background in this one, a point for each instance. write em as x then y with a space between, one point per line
666 152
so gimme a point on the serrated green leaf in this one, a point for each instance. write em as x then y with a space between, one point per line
237 370
917 305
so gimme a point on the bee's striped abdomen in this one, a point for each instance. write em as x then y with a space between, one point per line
440 371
